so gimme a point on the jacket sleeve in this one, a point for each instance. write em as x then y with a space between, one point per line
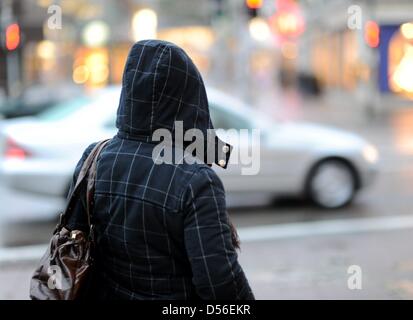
213 258
78 219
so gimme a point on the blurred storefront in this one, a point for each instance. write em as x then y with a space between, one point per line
398 58
63 45
90 46
84 43
243 47
371 57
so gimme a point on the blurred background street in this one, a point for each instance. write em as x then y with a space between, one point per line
341 71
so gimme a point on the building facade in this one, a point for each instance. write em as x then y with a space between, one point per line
361 47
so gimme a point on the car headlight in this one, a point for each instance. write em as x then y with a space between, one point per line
370 153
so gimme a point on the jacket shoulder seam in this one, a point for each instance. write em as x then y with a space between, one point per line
189 181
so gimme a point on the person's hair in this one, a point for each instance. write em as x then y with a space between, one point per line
234 235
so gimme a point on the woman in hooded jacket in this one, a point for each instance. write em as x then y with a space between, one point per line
162 230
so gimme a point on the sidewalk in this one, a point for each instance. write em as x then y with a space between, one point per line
300 267
15 280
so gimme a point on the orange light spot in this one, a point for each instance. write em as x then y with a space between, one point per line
254 4
372 34
12 36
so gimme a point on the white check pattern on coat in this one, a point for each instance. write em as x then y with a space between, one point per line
185 73
162 230
133 82
153 87
143 213
125 215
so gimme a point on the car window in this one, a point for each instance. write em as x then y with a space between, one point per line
223 119
220 118
64 109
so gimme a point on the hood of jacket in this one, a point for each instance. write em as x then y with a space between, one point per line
160 86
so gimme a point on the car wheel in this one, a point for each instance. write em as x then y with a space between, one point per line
332 184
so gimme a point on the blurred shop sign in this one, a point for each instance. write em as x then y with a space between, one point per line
288 20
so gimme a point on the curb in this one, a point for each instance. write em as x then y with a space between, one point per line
21 254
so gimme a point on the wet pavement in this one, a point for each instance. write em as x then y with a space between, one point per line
302 266
314 267
317 267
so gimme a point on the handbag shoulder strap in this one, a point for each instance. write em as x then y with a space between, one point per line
84 174
90 186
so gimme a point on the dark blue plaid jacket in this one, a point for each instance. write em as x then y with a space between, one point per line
162 229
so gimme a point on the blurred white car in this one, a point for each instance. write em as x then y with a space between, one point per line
329 166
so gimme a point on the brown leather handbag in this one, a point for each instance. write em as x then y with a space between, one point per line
65 270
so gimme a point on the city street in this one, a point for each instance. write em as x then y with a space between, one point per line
291 250
312 267
324 88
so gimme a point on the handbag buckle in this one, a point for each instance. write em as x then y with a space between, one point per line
74 234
